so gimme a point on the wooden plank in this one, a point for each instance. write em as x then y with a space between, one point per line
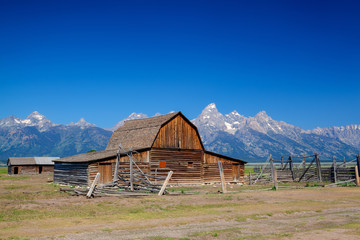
165 183
275 180
357 175
223 183
93 185
117 165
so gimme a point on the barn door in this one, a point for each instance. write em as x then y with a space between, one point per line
236 172
105 172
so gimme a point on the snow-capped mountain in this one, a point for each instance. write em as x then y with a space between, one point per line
82 124
132 116
247 138
256 137
34 119
349 134
38 136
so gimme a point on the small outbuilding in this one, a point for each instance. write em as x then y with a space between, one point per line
31 165
157 145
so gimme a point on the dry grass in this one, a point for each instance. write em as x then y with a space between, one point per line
33 207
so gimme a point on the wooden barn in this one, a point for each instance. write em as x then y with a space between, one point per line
158 145
31 165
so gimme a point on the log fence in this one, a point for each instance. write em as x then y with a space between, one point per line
307 169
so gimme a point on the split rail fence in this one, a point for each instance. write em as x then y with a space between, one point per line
308 169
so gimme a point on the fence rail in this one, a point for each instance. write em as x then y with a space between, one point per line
313 170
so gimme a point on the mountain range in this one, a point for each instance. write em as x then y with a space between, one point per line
247 138
38 136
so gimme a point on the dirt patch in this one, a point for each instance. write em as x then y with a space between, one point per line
36 209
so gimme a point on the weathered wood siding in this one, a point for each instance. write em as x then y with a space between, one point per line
94 169
178 133
71 174
186 165
107 176
233 171
46 169
31 169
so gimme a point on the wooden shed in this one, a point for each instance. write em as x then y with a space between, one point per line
31 165
158 145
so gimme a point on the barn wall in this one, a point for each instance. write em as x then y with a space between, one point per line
71 174
178 133
30 169
186 165
94 168
48 169
27 169
233 170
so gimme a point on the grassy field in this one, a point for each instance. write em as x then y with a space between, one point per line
32 207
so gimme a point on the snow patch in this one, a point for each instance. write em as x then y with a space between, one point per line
229 128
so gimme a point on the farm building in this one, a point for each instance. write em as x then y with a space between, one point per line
31 165
158 145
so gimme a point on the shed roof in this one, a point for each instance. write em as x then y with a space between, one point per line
139 133
88 157
226 157
31 160
94 156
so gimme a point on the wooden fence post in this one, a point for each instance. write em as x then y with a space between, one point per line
249 177
117 165
165 183
358 161
222 177
275 179
304 163
282 162
291 166
357 175
318 167
131 173
334 164
273 173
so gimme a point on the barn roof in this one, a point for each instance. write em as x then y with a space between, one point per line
31 160
139 133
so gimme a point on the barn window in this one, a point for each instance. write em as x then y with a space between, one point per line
190 164
162 164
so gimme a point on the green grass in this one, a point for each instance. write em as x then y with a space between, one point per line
14 177
3 170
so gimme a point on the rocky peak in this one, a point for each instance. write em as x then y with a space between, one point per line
10 121
210 108
36 116
38 120
211 117
84 124
234 117
132 116
135 115
262 116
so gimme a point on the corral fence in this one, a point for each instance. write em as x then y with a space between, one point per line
308 169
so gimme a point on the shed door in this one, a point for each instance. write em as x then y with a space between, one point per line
105 172
236 172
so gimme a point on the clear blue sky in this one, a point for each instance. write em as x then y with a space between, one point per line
102 60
